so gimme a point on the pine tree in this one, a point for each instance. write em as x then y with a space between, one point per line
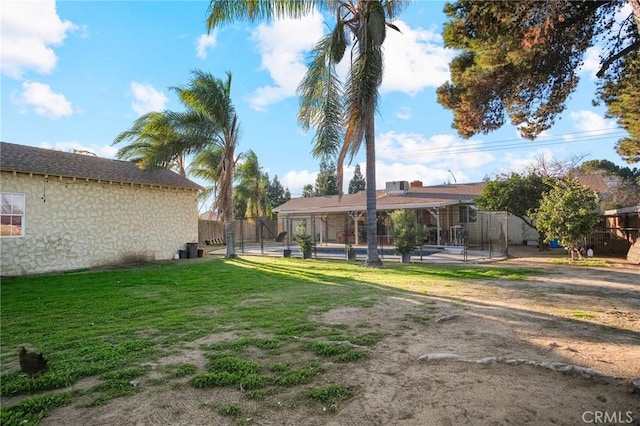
327 180
357 183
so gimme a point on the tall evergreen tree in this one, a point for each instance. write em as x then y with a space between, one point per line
326 180
357 182
276 192
521 60
621 96
308 191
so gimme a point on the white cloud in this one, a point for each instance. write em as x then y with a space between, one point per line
440 151
282 45
518 164
592 61
28 29
414 59
43 100
204 42
146 98
398 171
104 151
589 121
295 180
404 113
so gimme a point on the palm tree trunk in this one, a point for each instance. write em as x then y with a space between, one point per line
228 226
372 224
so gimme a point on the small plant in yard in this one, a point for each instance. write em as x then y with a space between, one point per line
180 370
331 395
232 410
337 352
125 373
257 394
31 410
232 364
279 367
407 233
217 379
306 243
229 371
298 376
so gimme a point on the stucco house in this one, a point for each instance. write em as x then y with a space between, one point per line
65 211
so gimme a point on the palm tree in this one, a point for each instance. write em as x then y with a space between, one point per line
343 114
252 187
155 143
209 123
206 166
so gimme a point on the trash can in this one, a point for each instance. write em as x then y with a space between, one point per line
182 254
192 250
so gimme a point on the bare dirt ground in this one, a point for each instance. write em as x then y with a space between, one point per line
514 339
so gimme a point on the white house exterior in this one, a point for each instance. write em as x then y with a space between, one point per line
64 211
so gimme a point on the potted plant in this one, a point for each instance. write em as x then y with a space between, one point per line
407 235
306 243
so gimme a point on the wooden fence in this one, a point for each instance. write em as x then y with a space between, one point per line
252 230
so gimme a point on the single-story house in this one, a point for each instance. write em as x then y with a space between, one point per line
65 211
446 211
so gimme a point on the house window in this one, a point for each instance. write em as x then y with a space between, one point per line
12 217
468 214
423 217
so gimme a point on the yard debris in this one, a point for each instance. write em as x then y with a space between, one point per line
585 372
441 357
345 343
447 318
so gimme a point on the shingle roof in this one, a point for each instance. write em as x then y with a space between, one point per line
28 159
416 197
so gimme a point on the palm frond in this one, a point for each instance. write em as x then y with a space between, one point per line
222 12
321 95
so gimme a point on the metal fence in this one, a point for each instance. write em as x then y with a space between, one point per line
459 234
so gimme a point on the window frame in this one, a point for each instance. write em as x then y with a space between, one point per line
11 214
467 214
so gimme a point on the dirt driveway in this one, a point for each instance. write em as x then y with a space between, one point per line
559 348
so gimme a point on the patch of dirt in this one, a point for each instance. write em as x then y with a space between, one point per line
584 317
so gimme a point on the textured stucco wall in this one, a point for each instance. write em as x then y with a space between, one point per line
79 224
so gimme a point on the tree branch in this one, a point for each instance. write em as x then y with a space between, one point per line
620 54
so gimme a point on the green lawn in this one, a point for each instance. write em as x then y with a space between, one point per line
112 324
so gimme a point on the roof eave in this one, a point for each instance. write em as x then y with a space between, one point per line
195 186
344 209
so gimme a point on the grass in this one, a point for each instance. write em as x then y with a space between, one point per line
582 262
112 324
583 315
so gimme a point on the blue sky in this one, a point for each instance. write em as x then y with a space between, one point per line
77 73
